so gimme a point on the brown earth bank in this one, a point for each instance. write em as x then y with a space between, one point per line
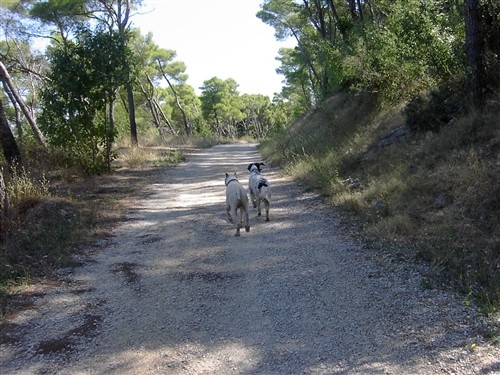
168 289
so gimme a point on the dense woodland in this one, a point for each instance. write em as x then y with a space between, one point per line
99 80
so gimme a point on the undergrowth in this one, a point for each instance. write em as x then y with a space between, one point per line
38 230
433 189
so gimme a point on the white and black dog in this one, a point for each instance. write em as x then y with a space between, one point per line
236 200
259 187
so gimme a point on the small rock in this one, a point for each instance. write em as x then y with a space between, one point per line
440 202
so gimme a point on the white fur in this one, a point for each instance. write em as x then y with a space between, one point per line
236 201
262 194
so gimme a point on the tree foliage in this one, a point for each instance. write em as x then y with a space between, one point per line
84 78
101 71
395 48
221 106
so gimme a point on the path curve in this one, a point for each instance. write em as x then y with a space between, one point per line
175 292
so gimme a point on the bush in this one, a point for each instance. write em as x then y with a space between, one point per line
432 111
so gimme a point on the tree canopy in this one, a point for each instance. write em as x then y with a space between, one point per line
100 79
394 48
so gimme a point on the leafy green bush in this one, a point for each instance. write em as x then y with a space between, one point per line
76 114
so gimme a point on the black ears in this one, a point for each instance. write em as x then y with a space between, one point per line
258 165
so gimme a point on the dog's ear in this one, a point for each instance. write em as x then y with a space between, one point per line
262 164
249 166
227 175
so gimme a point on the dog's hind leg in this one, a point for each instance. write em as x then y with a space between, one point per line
238 222
235 212
237 219
266 203
252 198
229 217
247 224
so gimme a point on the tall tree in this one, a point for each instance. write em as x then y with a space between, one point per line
474 47
85 75
174 105
65 15
301 22
116 14
175 70
27 68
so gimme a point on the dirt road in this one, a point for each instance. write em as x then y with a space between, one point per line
175 292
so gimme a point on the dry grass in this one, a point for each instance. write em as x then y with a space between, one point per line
436 193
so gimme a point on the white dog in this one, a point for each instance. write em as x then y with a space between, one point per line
236 200
260 189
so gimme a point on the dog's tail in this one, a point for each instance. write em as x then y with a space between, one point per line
265 193
241 197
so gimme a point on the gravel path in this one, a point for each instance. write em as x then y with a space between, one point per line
173 291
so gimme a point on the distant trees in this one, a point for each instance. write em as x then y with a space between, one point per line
221 106
97 73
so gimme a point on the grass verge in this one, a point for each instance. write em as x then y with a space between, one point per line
435 193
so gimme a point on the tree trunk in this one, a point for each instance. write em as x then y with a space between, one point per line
360 10
164 116
187 128
155 108
474 47
122 17
9 145
149 100
19 125
131 116
337 18
5 78
217 124
4 202
110 132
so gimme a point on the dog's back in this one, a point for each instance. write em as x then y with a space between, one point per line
260 189
236 201
236 193
264 189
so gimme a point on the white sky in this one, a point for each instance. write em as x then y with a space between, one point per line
221 38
